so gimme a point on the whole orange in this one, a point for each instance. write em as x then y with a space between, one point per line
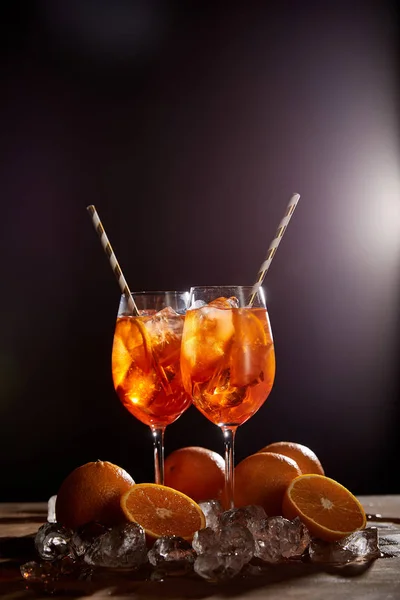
92 492
262 479
195 471
306 458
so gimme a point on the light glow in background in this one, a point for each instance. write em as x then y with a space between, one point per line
189 132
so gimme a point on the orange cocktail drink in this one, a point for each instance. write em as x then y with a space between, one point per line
227 360
146 368
146 364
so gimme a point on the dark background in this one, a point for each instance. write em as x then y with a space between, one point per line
189 125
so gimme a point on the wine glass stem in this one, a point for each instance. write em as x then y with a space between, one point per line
229 443
158 445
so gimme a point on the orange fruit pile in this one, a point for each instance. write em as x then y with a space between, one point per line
160 510
195 471
92 492
328 509
285 478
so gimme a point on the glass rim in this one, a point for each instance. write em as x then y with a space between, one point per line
157 292
220 287
243 292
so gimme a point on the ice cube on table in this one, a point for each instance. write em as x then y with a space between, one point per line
223 552
218 567
51 509
83 538
360 546
48 575
205 540
172 553
38 572
212 510
52 541
40 575
123 546
250 516
237 540
277 539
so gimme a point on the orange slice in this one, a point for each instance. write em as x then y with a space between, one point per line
131 346
161 510
327 508
249 355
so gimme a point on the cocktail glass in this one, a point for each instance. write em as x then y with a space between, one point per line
146 363
227 360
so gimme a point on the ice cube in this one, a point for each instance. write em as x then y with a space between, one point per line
208 333
277 539
360 546
124 546
52 541
165 329
222 553
237 540
224 303
205 540
172 553
197 304
40 577
218 567
47 576
212 510
250 516
230 395
38 572
51 509
85 536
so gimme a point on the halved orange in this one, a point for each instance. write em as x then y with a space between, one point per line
327 508
161 510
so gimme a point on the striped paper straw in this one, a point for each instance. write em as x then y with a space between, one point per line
112 259
273 247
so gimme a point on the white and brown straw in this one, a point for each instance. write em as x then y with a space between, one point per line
112 259
273 247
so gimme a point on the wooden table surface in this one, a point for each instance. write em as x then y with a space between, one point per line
379 581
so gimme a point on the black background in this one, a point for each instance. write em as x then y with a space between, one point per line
189 125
